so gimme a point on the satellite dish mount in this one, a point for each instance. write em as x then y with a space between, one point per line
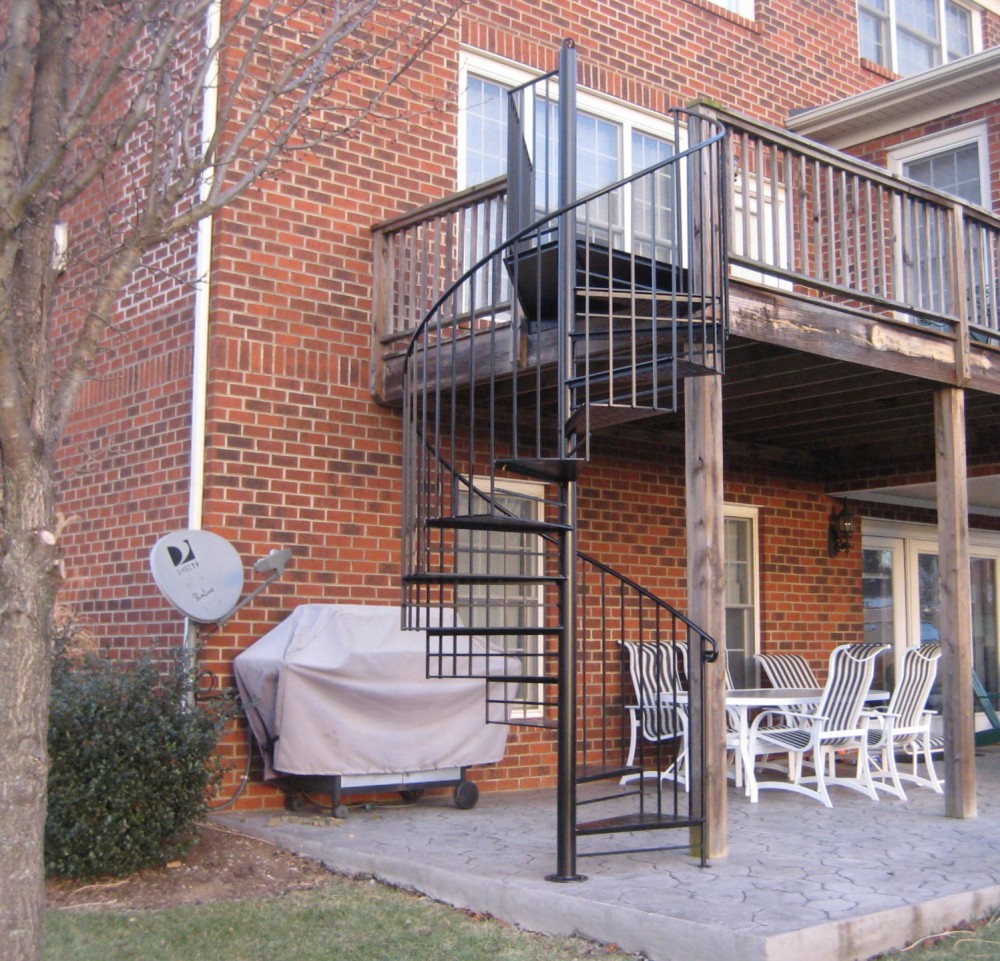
201 574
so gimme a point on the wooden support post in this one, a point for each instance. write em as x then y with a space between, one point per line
956 605
706 600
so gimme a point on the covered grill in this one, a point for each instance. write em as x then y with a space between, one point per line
338 701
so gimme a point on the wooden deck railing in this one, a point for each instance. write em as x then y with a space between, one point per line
804 218
815 220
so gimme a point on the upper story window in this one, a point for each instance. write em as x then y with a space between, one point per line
954 161
910 36
613 141
742 7
485 112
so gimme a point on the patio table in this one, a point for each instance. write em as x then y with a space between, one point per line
741 700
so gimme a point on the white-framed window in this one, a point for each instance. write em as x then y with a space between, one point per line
742 7
613 141
911 36
742 594
955 161
902 597
517 606
758 211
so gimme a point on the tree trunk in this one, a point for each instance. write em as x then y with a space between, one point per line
29 577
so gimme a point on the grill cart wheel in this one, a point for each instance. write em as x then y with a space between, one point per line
466 795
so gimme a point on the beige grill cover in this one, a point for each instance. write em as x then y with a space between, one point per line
341 689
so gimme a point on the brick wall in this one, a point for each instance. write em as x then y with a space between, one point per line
299 455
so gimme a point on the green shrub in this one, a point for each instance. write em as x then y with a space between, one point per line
132 761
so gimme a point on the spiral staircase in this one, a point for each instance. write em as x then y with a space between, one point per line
574 324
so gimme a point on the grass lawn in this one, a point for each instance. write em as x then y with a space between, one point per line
982 944
347 920
354 920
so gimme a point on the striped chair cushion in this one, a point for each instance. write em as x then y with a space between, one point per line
787 670
655 670
909 699
852 667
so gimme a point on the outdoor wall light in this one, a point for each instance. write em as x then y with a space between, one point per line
842 528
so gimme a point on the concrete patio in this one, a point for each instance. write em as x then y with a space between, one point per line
800 881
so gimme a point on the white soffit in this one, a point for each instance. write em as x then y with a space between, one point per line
955 86
984 495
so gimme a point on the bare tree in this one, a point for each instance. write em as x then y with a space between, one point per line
93 92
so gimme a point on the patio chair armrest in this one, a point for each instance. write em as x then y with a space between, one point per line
861 731
756 723
880 716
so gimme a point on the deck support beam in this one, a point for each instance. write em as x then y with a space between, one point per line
956 608
706 604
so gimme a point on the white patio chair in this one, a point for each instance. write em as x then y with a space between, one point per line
787 670
904 725
838 725
655 671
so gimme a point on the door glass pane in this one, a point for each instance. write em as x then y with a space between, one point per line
984 615
740 641
880 609
984 621
929 597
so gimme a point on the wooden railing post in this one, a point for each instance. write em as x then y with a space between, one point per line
958 280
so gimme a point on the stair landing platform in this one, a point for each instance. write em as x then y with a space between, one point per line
800 881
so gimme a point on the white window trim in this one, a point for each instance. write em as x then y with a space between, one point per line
920 539
976 27
742 8
952 139
534 490
752 514
627 116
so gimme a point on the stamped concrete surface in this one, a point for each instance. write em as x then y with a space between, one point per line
800 881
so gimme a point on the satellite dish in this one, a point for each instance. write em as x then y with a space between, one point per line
199 572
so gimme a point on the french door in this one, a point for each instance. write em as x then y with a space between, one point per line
902 595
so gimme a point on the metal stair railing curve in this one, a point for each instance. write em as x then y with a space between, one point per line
480 370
